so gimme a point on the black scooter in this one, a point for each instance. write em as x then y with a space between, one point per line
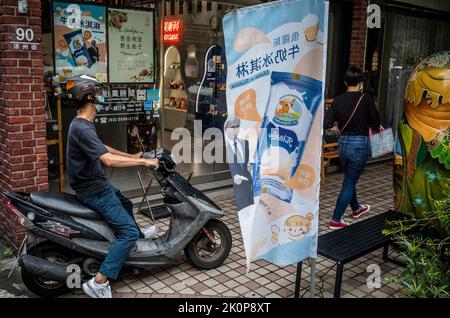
62 231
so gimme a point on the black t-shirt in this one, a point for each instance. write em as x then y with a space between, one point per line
84 148
366 115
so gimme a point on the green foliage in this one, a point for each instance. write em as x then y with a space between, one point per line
8 252
442 152
425 245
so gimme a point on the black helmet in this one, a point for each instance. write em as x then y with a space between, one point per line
80 86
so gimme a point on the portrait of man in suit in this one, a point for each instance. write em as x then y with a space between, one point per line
94 52
238 157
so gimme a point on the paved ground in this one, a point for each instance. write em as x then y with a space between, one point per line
11 286
267 280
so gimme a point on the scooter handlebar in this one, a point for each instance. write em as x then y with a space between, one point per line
163 155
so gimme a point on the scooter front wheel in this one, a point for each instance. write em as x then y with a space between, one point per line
205 252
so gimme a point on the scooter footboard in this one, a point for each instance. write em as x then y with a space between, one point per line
181 210
182 218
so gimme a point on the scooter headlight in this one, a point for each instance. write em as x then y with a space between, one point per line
31 216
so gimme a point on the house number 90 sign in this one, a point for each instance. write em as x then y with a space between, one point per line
24 34
24 39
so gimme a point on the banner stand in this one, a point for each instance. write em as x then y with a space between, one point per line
312 286
298 279
273 133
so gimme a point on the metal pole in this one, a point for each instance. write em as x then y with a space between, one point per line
312 286
145 196
162 65
60 144
298 280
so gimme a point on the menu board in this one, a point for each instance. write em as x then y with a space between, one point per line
131 46
126 104
80 41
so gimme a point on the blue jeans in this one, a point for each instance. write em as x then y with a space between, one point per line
118 212
353 154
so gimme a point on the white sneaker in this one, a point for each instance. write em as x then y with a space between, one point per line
96 290
150 231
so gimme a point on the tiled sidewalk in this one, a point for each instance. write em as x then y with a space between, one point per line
265 279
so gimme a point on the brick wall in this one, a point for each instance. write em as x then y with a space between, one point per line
359 33
23 150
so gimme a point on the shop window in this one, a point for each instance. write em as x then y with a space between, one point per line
180 6
175 98
199 6
208 6
441 42
339 36
219 6
172 7
409 45
191 64
190 6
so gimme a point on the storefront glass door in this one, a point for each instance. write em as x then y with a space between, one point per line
194 87
409 40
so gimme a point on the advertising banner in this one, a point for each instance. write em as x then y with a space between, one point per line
214 81
131 46
276 57
79 40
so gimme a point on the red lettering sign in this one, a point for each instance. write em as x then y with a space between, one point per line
172 31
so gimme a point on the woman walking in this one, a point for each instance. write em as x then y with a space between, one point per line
354 112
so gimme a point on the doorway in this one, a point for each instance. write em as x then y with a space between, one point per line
409 38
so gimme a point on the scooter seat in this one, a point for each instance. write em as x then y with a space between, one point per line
63 202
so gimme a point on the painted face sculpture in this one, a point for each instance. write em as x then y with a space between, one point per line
422 156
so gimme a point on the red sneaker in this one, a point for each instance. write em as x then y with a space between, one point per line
337 225
362 210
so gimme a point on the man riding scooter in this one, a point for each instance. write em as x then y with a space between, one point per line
85 156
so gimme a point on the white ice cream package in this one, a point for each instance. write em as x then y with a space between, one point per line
78 48
290 112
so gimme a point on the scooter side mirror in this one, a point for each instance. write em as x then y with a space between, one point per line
154 136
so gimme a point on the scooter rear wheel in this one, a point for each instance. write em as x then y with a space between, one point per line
202 253
40 286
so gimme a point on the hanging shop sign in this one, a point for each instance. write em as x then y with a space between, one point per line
122 105
79 40
131 46
276 57
172 31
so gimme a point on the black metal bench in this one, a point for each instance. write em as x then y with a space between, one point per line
347 244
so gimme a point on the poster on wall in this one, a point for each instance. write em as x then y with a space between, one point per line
276 57
214 82
79 40
131 47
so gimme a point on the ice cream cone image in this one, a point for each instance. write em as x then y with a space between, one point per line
311 33
248 37
312 27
